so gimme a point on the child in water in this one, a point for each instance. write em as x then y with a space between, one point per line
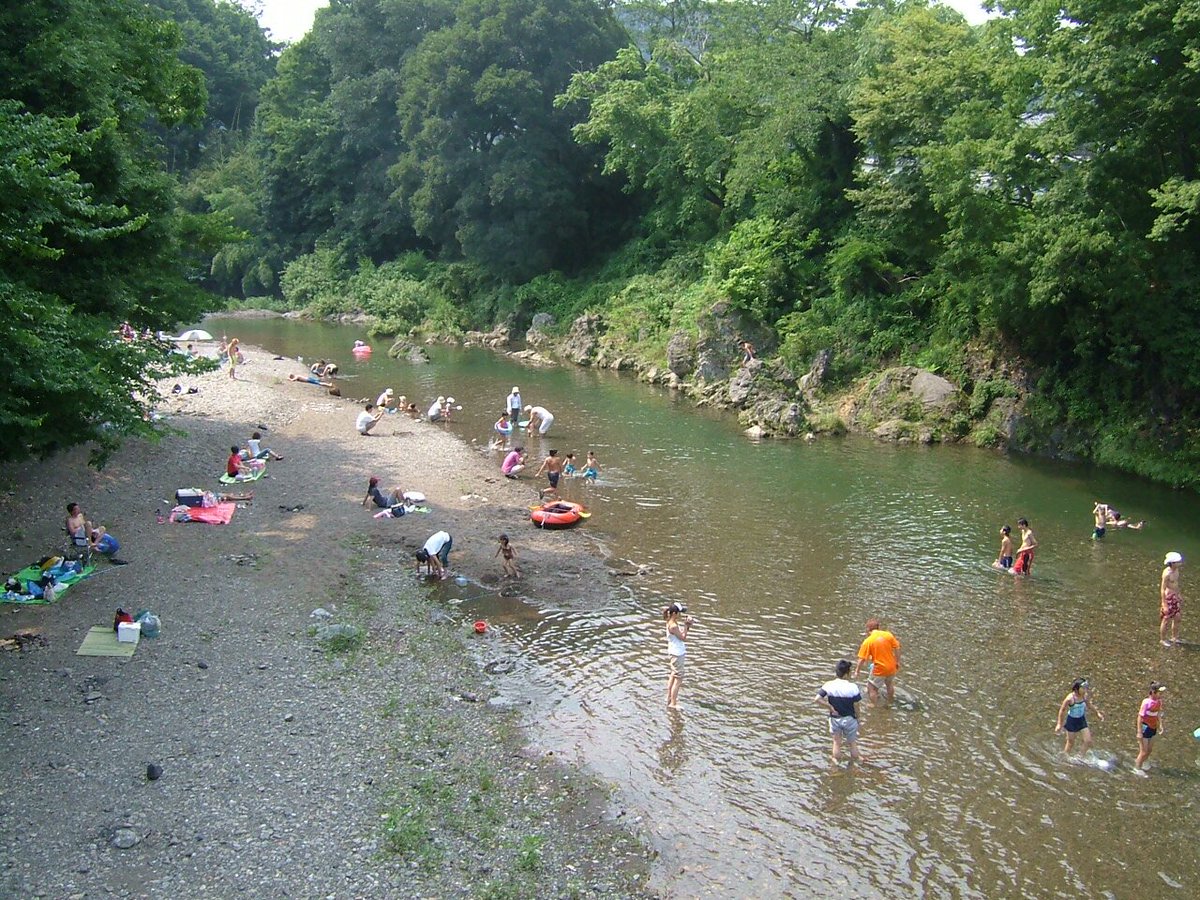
569 465
591 468
508 556
1149 723
1072 715
677 631
1005 560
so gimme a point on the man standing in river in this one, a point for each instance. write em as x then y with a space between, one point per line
840 697
1024 562
881 651
1170 601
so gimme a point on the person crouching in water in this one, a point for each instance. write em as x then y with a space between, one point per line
677 632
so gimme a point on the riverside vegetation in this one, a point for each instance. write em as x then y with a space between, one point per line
871 194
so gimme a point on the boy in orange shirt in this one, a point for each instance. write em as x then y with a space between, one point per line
882 651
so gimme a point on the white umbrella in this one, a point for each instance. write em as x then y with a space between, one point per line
196 334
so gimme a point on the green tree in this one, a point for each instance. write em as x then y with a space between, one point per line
489 170
89 234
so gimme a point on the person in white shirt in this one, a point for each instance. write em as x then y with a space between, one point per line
513 404
677 631
437 411
840 697
435 555
368 419
540 416
387 400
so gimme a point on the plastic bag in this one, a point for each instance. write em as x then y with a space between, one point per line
151 624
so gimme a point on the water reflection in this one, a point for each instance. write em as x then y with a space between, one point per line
782 550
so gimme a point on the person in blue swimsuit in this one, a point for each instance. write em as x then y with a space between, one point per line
1072 715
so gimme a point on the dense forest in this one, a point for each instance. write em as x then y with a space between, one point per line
1011 205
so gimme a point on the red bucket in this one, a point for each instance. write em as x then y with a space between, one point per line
480 627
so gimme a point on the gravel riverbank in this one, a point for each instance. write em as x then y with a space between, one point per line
380 763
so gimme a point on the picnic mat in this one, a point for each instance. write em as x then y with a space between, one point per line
101 640
33 573
221 514
254 475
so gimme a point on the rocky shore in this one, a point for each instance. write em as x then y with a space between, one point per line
377 759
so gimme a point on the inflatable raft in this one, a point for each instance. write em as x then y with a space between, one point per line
558 514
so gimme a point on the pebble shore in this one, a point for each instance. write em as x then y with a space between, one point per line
248 752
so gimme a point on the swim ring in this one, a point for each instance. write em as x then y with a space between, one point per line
360 347
507 429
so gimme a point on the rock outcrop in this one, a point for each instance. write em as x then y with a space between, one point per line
582 341
906 404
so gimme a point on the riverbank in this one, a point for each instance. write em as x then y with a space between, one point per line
381 765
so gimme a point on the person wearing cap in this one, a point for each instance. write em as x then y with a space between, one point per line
1149 723
1024 561
387 400
437 410
1072 715
513 403
677 632
881 652
540 416
379 498
840 696
435 555
1170 601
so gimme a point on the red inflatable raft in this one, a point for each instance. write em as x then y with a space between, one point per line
558 514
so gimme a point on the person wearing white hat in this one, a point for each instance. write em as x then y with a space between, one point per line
1170 609
437 410
540 416
387 400
513 403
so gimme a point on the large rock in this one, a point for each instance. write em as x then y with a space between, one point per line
581 343
537 335
906 403
498 338
811 381
681 354
408 351
719 345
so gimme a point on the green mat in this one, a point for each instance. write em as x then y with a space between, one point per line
256 474
101 640
33 573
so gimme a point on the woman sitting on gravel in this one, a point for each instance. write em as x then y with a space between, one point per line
382 500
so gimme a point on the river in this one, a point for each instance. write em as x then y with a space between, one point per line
782 550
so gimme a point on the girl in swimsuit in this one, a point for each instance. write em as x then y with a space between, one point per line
1149 723
1072 715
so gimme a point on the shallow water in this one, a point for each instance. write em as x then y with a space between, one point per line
782 550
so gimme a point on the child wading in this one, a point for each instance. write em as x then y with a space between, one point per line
677 631
1072 715
1149 723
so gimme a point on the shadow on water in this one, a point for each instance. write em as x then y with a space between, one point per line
783 550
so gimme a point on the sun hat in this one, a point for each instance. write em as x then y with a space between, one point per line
516 390
528 407
389 392
441 399
677 607
1173 557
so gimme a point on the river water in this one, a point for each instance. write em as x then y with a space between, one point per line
782 550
